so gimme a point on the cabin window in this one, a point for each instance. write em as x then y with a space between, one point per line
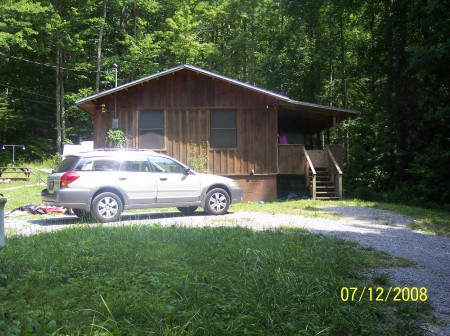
223 129
151 129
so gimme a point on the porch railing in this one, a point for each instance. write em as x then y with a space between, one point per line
310 182
334 170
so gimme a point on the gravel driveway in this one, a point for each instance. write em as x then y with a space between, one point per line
380 229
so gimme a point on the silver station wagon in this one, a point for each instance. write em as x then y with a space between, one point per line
103 183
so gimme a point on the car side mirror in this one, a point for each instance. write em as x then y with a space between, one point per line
187 171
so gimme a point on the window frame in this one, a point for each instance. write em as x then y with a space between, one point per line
212 128
163 128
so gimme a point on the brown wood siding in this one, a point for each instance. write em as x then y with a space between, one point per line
256 149
291 159
101 127
184 127
256 145
187 98
338 153
317 157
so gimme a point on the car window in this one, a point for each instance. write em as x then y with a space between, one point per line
98 164
165 165
135 166
85 164
67 164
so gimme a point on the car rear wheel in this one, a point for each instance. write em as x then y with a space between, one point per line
107 207
187 210
217 202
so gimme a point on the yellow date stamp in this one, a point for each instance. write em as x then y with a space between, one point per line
382 294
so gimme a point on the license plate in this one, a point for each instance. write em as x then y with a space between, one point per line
51 185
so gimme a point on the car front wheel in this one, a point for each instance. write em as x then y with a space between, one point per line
217 202
107 207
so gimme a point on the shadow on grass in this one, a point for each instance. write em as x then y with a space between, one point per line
68 219
160 215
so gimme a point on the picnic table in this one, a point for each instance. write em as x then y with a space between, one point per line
15 173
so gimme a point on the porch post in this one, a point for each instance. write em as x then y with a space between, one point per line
314 187
2 222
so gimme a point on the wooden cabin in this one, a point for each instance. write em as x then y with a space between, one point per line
264 140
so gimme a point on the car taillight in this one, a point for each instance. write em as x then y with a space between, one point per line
68 178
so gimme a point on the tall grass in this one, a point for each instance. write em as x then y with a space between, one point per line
142 280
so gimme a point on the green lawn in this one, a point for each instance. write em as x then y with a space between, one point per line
21 193
93 280
150 280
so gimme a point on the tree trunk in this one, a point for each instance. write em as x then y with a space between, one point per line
60 109
58 98
99 49
62 105
343 60
244 52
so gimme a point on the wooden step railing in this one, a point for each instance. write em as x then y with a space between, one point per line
310 182
334 170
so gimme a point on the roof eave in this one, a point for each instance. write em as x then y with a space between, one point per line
172 70
281 98
125 86
333 109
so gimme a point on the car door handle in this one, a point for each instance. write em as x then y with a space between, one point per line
122 178
163 178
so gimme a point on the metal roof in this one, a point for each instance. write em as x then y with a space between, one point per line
214 75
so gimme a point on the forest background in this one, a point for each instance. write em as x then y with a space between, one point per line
389 59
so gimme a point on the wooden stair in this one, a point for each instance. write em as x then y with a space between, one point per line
325 187
323 174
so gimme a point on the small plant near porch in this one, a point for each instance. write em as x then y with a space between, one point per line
115 138
198 157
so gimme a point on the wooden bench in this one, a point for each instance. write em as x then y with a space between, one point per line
15 172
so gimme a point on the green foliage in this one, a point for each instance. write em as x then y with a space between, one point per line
116 138
53 161
388 60
79 124
140 280
198 157
19 26
184 35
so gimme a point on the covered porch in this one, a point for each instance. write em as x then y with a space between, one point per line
310 147
321 168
